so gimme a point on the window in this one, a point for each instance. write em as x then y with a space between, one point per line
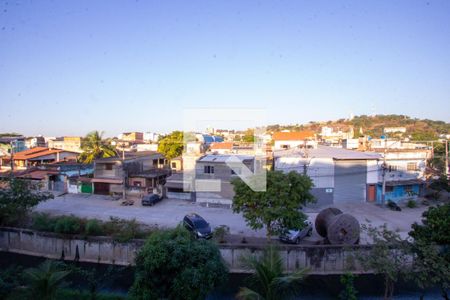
155 162
174 165
161 161
109 167
392 168
208 170
408 188
411 166
389 189
136 183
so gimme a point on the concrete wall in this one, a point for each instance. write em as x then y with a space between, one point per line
319 259
324 196
96 250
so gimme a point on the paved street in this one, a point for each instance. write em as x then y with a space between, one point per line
169 212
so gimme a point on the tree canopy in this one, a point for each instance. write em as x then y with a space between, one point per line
435 227
431 247
279 207
171 145
46 279
388 256
94 146
16 200
174 265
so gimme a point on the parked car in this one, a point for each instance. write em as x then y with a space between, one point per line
150 199
294 236
198 226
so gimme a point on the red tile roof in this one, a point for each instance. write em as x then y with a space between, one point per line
293 136
223 145
37 174
36 152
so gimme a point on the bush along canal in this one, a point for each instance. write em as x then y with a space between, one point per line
113 282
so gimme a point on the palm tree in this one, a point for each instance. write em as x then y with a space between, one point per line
46 279
94 146
268 281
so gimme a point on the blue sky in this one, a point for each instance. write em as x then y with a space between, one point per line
68 67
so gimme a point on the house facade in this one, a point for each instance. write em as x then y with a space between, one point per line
404 173
141 172
132 136
213 177
37 141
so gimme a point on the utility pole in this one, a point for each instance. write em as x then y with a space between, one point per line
124 172
446 158
12 157
383 170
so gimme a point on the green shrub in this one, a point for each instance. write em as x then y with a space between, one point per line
220 233
68 225
10 279
349 292
186 268
411 204
123 230
93 227
43 222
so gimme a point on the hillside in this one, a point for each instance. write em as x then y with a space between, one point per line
416 129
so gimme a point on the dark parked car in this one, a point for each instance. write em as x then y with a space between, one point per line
150 199
294 236
198 226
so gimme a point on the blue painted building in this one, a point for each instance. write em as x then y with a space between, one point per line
208 139
398 191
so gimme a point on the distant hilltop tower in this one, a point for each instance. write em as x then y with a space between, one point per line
351 117
372 108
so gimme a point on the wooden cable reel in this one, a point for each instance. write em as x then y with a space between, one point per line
338 228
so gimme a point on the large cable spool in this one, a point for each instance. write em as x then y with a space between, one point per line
338 228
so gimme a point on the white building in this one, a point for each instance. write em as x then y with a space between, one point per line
145 147
394 129
151 136
339 175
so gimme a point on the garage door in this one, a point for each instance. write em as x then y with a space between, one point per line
101 188
350 177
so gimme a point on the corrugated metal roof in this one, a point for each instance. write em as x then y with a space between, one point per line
328 152
222 158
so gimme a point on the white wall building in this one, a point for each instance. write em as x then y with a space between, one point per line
338 175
